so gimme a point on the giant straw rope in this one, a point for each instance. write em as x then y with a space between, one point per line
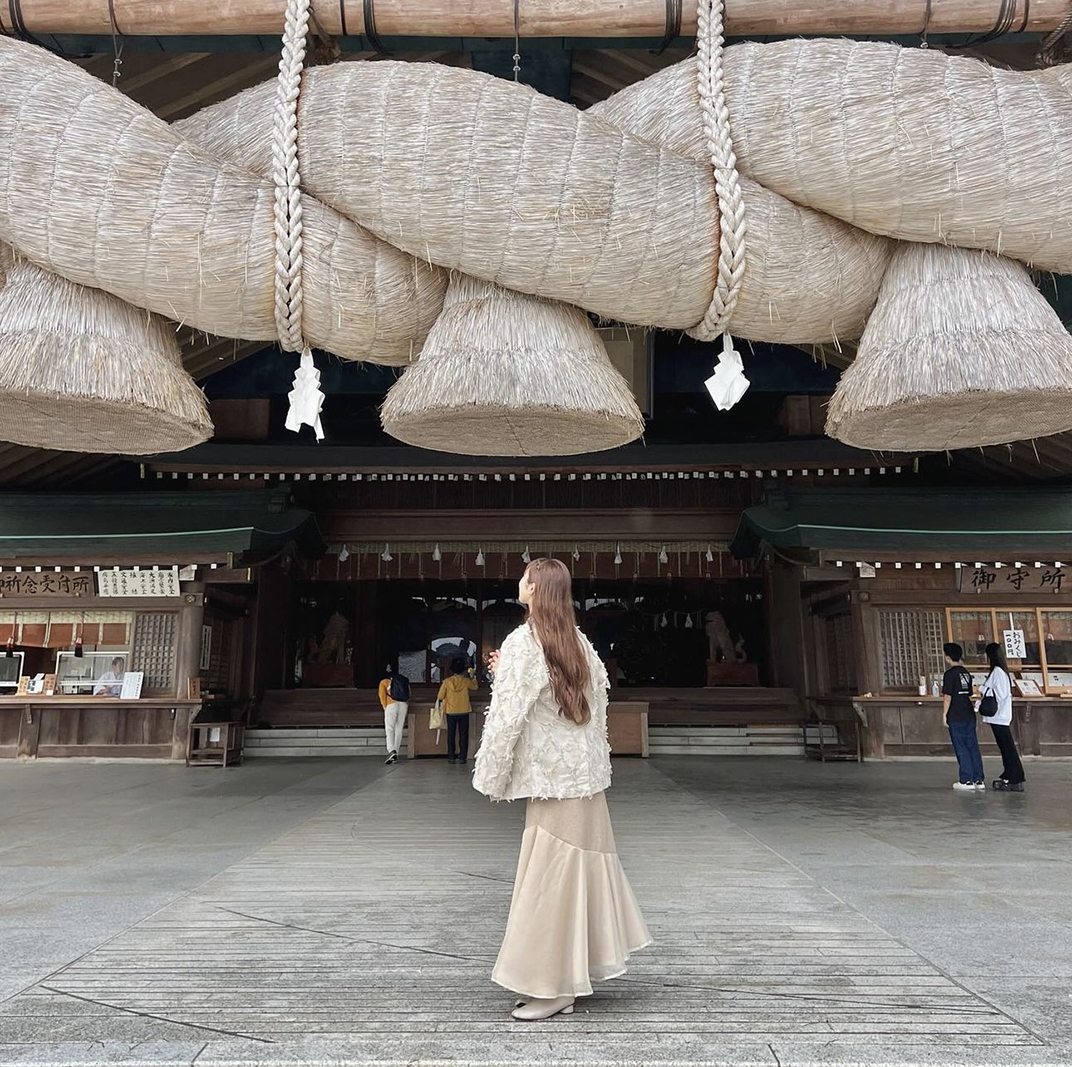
838 149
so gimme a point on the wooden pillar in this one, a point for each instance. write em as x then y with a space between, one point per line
188 653
785 628
29 732
868 672
270 662
187 662
369 658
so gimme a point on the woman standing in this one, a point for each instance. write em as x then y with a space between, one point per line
999 684
573 917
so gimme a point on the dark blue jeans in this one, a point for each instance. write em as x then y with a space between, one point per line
966 747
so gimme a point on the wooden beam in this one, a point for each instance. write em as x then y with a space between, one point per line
538 18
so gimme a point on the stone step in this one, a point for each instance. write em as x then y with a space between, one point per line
764 740
303 732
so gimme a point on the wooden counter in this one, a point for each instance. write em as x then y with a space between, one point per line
912 726
627 728
147 728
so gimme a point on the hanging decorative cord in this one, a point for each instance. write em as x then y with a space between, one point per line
728 384
517 40
118 43
368 17
306 398
673 26
923 41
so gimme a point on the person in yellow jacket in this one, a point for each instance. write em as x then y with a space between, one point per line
454 693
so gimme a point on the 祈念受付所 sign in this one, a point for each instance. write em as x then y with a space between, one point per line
45 583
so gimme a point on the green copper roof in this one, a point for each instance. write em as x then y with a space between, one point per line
941 520
171 527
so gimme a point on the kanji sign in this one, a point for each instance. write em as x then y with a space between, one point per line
139 583
46 583
1003 581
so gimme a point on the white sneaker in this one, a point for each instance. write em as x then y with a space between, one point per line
980 787
964 787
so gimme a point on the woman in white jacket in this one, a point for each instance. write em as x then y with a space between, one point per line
999 683
573 917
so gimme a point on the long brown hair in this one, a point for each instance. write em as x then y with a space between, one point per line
554 621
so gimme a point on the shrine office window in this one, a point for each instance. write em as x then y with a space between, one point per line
910 648
1042 635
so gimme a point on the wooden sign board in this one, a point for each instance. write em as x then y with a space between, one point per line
45 584
1005 582
163 583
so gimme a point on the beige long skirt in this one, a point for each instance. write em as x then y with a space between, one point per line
573 917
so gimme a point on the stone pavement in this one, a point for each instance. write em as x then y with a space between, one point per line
336 911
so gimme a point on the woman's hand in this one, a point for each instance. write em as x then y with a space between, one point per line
493 661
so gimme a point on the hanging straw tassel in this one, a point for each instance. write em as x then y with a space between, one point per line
505 374
82 371
961 351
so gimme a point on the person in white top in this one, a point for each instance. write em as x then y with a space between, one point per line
999 684
573 917
110 683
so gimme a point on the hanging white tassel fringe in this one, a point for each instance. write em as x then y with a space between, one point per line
728 384
306 398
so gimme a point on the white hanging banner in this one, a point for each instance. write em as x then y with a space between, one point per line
139 583
1015 645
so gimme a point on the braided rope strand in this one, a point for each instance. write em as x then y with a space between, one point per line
732 220
286 176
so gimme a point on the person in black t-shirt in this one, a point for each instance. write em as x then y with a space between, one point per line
959 714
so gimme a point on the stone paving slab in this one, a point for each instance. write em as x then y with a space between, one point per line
366 933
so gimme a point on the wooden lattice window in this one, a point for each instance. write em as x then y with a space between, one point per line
910 643
153 650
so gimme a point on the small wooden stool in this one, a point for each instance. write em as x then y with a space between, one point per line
220 750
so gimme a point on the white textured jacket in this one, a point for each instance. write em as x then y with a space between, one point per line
528 748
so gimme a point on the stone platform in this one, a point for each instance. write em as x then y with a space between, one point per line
336 911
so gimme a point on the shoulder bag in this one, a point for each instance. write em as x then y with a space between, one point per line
988 704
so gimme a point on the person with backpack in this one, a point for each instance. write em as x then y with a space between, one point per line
454 694
394 696
958 711
997 712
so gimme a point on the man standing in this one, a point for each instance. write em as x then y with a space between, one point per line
959 714
394 696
